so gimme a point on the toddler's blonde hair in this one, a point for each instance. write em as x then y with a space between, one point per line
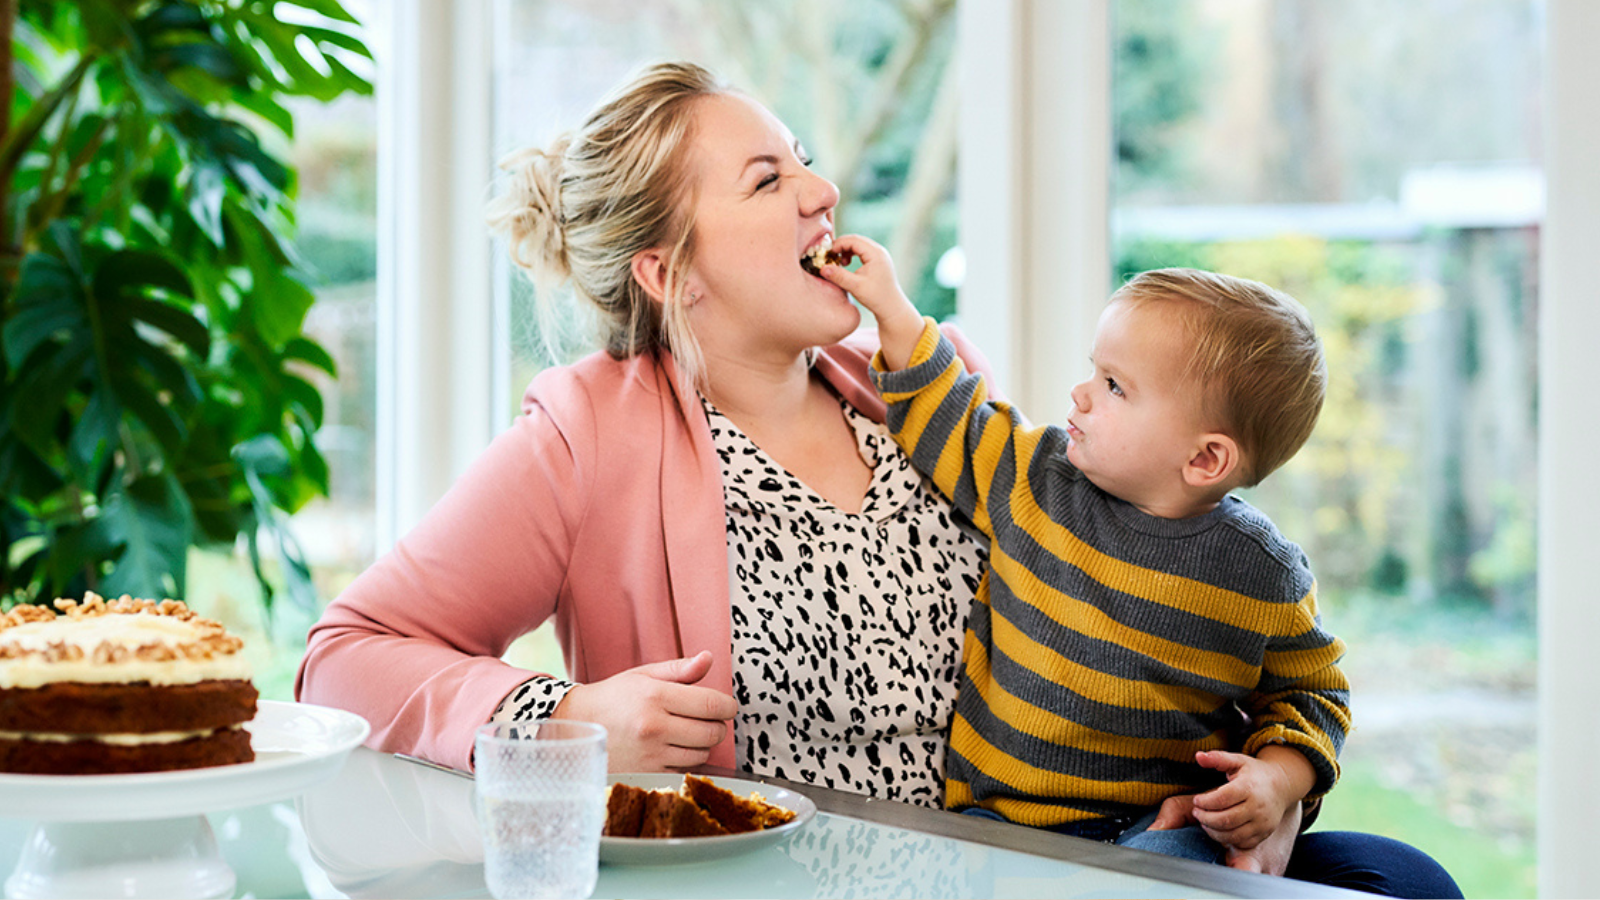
1256 359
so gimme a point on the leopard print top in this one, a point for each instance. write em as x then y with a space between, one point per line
847 628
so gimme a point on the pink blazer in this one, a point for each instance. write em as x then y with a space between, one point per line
601 506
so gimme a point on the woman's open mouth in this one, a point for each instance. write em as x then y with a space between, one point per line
823 254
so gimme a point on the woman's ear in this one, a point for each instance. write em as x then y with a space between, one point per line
650 271
1215 463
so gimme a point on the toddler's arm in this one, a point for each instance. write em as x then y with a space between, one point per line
939 413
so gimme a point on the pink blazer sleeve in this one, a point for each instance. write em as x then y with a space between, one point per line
413 643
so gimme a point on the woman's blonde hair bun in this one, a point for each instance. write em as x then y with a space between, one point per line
579 210
530 212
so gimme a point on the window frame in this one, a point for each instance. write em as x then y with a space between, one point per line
436 313
1569 480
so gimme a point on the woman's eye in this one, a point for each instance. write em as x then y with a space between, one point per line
805 160
771 179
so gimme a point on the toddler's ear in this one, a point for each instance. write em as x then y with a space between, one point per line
1215 463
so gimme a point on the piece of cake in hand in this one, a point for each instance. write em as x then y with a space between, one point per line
125 686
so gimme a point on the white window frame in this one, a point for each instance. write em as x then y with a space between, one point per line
1034 190
1569 478
436 375
1034 170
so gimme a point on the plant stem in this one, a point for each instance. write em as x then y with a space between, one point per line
8 21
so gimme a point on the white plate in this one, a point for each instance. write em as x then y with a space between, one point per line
297 745
658 851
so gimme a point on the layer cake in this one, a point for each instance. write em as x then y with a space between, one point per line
121 686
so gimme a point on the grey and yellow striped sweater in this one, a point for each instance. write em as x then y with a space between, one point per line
1106 646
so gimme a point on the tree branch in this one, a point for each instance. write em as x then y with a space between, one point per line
932 169
890 87
8 87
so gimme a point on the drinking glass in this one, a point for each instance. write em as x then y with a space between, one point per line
541 804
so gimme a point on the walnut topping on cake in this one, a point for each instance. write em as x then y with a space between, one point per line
186 635
25 613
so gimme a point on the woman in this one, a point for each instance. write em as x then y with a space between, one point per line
742 568
632 504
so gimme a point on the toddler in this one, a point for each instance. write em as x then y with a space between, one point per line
1141 632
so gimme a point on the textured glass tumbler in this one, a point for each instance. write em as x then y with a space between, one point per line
541 804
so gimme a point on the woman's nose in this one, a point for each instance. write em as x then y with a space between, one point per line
818 195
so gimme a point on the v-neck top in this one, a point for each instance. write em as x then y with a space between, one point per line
847 627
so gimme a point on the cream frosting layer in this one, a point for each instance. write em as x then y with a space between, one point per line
129 633
120 740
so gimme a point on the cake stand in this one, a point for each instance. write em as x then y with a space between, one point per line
146 835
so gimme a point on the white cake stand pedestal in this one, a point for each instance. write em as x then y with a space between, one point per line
161 858
146 835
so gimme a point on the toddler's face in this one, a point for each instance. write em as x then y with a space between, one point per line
1136 421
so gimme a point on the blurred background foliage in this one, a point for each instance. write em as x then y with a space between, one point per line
156 390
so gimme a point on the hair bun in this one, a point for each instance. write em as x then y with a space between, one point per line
530 212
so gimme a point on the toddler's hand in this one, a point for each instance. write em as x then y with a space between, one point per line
1248 809
1271 856
874 286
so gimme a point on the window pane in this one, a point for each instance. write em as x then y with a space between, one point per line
1379 162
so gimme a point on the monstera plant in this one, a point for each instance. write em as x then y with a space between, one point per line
154 376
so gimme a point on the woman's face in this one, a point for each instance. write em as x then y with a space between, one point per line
758 210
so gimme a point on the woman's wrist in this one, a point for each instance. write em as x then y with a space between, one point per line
540 697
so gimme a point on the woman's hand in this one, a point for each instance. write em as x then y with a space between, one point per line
656 717
874 286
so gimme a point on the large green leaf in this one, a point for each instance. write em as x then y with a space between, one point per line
89 447
256 458
306 351
281 319
46 386
49 305
126 273
330 8
212 59
151 520
304 394
204 192
172 17
180 323
159 417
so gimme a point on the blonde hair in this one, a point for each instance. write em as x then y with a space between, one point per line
1256 359
580 209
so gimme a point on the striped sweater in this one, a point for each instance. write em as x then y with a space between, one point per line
1106 646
